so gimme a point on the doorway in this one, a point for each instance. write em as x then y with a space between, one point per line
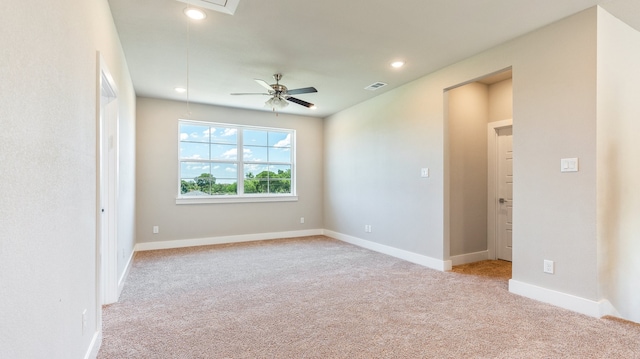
472 108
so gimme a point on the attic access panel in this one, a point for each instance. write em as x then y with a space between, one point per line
223 6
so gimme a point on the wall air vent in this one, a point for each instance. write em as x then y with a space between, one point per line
223 6
374 86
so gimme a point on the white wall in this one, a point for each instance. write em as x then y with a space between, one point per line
157 177
374 152
618 165
48 67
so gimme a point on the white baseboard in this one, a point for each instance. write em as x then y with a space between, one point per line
571 302
180 243
469 258
94 347
125 274
420 259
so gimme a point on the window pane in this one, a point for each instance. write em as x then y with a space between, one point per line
279 186
255 154
224 135
193 169
225 187
222 171
255 138
279 139
253 170
194 151
280 171
224 152
198 186
278 154
194 133
188 187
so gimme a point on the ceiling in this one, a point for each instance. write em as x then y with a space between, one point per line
339 47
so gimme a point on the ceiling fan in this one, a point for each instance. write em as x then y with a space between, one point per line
280 94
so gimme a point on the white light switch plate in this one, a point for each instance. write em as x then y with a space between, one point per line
424 172
569 165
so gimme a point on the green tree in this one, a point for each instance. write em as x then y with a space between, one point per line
203 183
188 186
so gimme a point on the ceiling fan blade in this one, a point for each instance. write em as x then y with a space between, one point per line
299 101
250 93
302 90
264 84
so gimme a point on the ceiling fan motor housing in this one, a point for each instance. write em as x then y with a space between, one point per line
279 89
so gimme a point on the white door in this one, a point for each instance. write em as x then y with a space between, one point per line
108 187
505 193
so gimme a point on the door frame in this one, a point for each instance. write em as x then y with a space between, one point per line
107 186
492 184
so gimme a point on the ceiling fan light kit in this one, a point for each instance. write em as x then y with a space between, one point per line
281 95
276 103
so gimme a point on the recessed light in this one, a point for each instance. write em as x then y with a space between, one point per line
195 14
313 107
180 89
397 64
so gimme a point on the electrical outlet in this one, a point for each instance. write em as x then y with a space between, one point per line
156 229
548 266
367 228
302 220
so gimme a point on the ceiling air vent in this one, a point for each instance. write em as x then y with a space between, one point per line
374 86
224 6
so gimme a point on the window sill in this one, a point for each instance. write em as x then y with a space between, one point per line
235 199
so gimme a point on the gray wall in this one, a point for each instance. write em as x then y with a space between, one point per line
467 118
501 100
470 107
374 152
48 116
157 177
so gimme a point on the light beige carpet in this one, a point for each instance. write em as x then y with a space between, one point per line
317 297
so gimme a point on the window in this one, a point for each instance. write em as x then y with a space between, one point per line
231 162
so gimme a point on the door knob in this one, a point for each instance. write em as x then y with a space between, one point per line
501 200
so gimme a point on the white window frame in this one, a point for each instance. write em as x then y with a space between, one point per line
241 197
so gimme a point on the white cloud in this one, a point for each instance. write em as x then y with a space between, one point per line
184 136
229 169
229 132
193 157
195 167
285 142
232 153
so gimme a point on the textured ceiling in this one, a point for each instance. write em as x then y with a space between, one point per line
337 46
